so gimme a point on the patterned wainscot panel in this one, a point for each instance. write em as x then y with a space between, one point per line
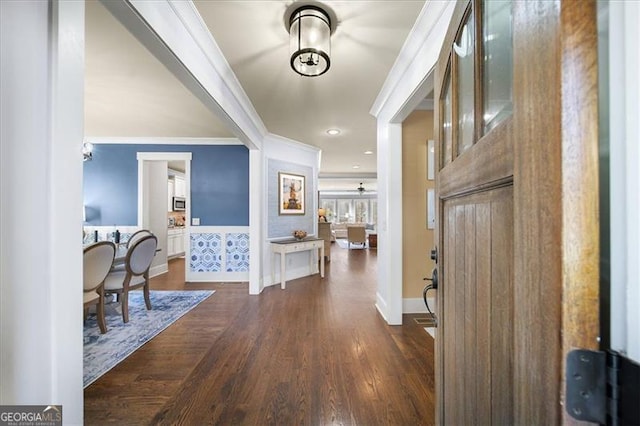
206 252
237 252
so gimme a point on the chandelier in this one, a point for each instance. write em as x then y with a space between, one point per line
310 41
360 188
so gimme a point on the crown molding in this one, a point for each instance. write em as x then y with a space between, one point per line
415 61
162 141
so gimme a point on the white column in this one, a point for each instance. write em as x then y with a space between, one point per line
255 221
42 83
389 295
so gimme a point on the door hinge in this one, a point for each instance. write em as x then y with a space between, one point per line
602 387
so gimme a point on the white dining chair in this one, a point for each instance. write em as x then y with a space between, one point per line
137 235
97 260
130 242
135 273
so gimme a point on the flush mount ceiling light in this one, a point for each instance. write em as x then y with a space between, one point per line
310 40
333 132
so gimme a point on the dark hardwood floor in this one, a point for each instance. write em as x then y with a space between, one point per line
317 353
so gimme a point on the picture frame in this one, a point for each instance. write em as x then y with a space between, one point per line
291 194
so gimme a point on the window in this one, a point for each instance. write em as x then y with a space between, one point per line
497 47
464 49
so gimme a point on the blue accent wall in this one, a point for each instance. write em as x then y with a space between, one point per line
219 183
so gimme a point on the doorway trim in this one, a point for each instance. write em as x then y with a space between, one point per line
406 86
167 156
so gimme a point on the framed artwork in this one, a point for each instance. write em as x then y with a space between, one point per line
290 194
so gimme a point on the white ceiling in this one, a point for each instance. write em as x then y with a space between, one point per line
129 93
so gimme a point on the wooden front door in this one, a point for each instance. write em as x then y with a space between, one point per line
516 130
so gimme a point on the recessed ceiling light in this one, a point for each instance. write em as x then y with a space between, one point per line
333 132
356 166
368 152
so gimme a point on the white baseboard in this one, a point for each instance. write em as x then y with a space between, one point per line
158 270
416 305
381 306
292 274
232 277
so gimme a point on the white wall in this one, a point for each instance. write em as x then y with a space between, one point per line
283 149
624 127
41 114
389 293
155 210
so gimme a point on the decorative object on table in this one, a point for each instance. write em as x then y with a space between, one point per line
290 194
299 234
322 215
102 352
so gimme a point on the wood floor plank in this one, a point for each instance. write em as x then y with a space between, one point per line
315 353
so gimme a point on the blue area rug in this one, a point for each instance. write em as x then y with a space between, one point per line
102 352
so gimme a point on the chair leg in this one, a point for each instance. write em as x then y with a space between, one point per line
100 313
124 302
145 291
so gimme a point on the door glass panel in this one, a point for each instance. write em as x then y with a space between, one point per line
464 49
447 138
497 44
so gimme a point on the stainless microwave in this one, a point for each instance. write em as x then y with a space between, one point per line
179 204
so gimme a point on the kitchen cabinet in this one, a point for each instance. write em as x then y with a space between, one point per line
180 187
175 242
176 187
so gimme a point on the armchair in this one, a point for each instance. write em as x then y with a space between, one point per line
356 235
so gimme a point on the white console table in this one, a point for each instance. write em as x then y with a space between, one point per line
291 246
